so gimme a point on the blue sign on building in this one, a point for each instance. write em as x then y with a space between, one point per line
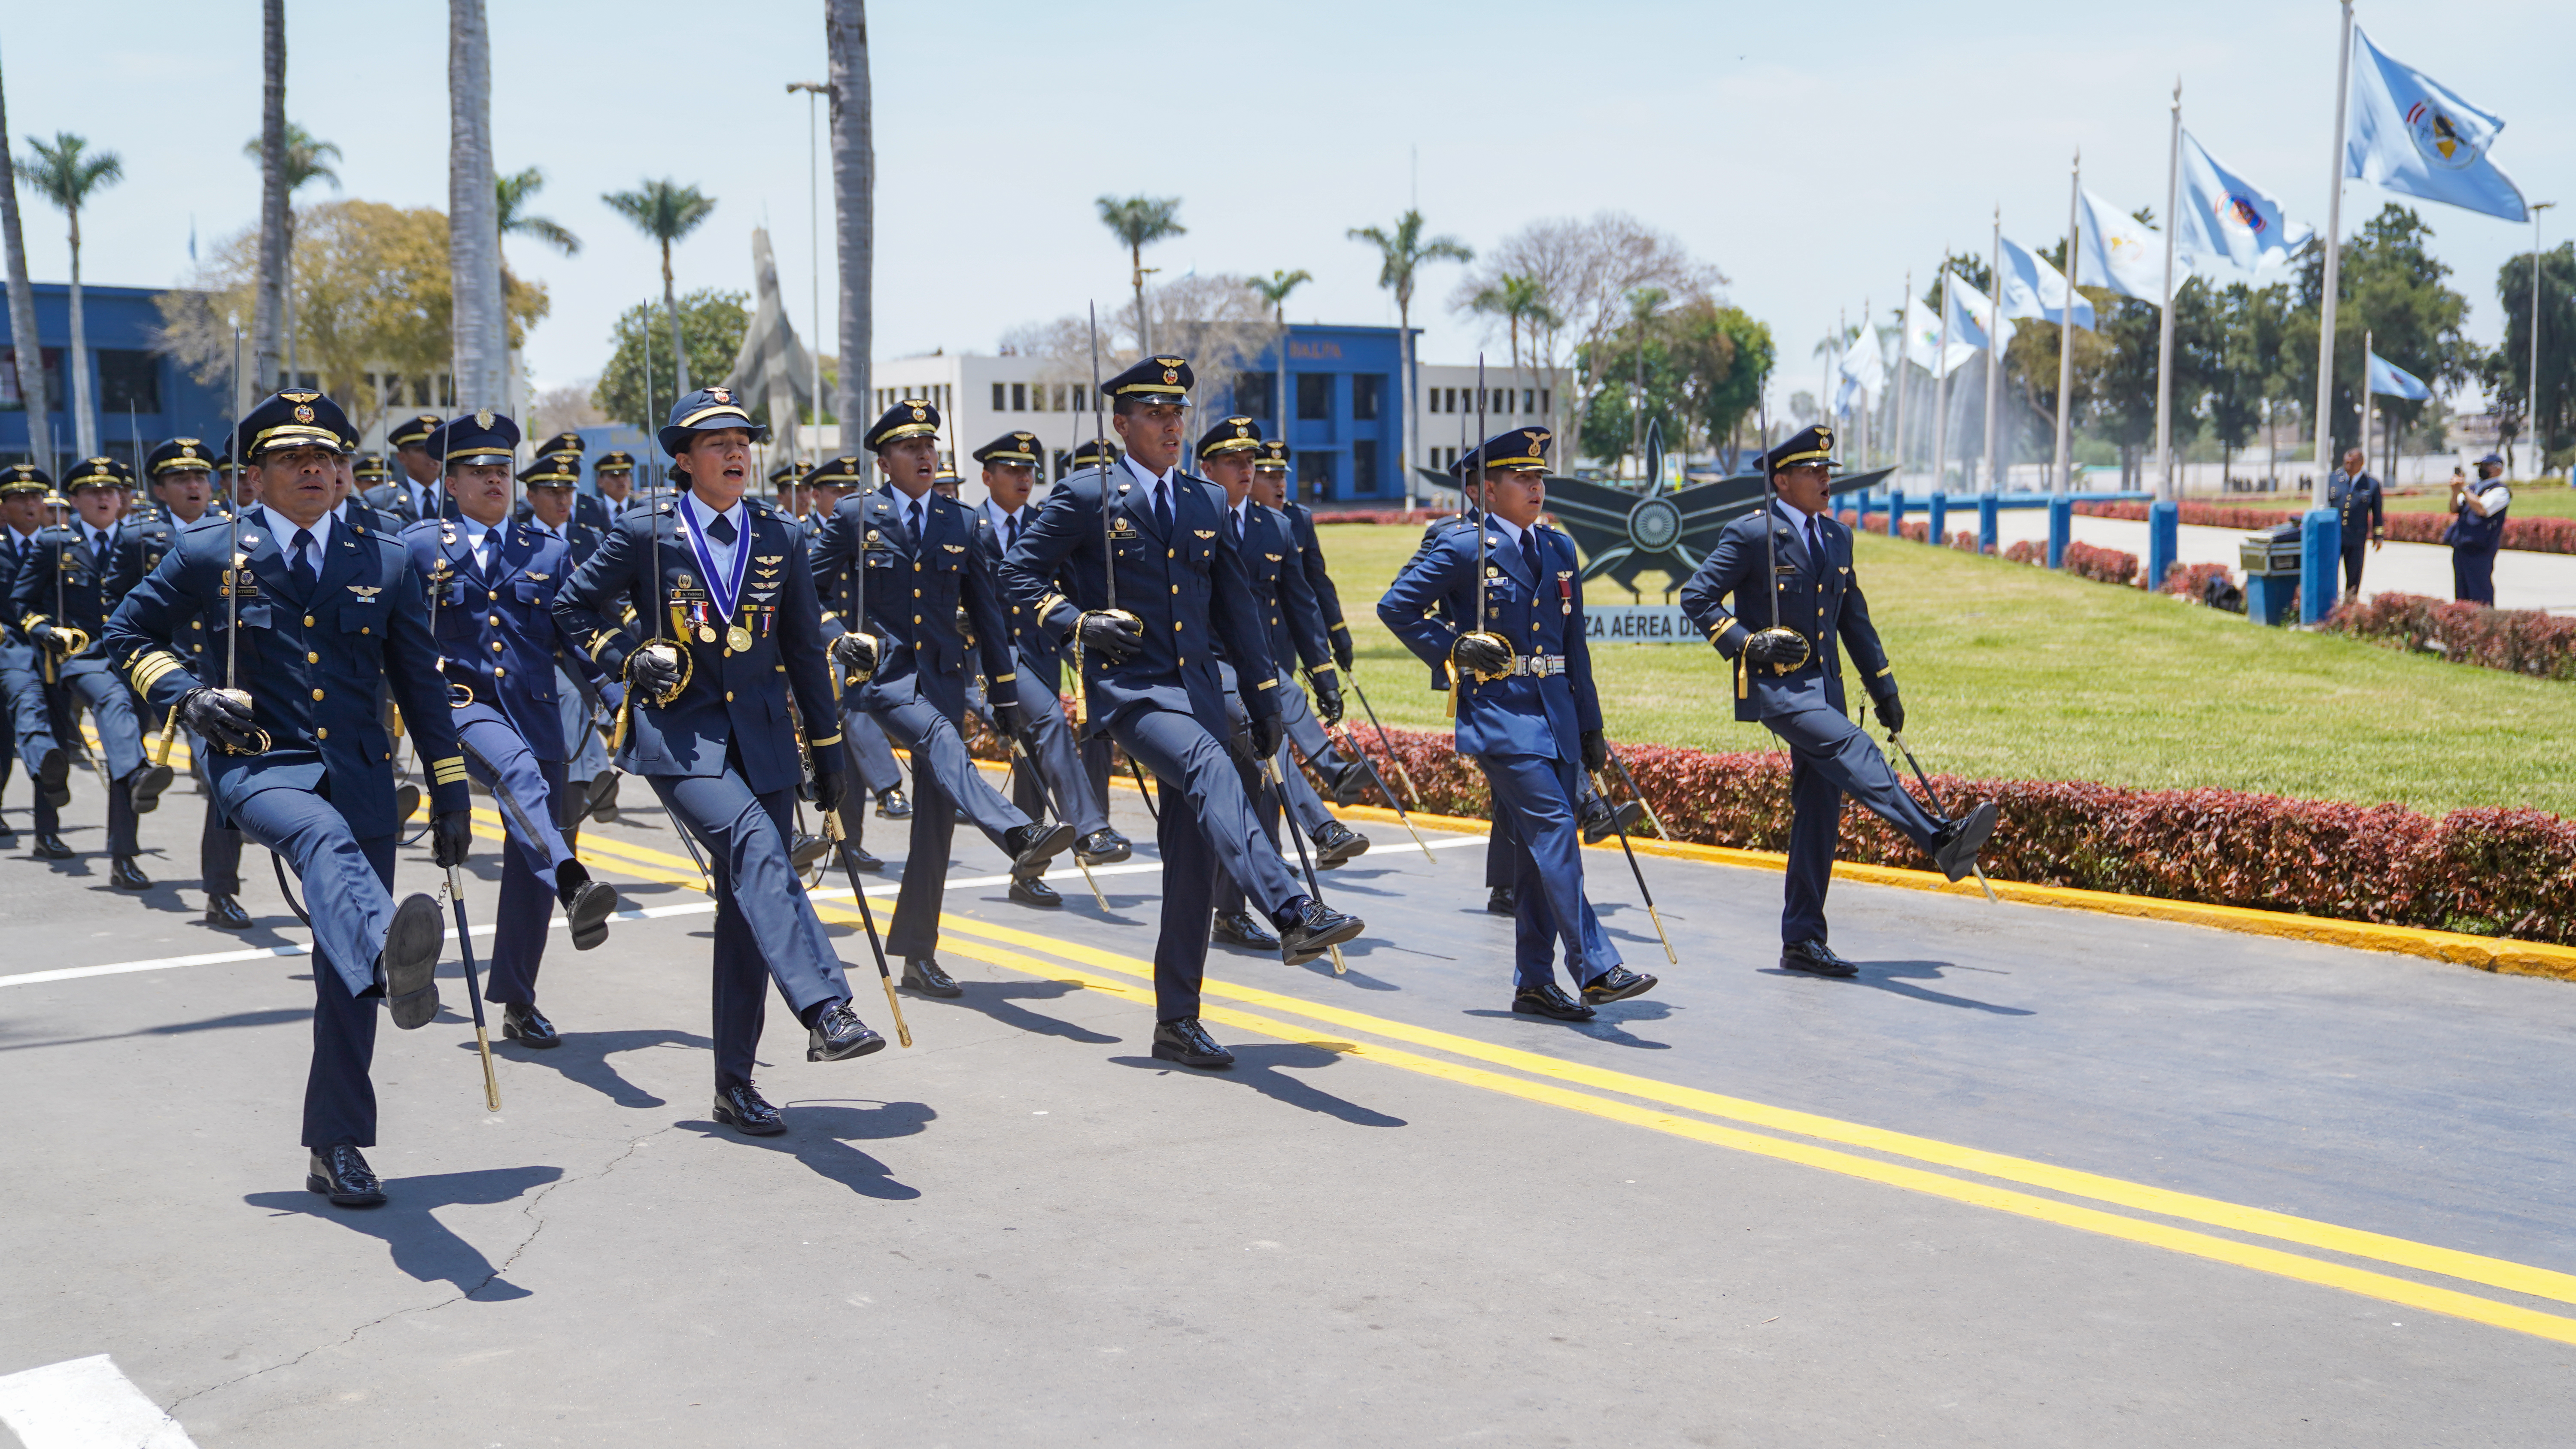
135 390
1344 395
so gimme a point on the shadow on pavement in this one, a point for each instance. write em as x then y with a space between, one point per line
819 1133
996 999
274 1016
421 1245
1263 1068
1609 1023
1889 976
583 1057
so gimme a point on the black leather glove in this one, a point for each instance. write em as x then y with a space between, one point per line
1269 732
1328 702
1891 712
224 720
1480 654
44 635
1114 637
451 835
1776 646
831 788
651 672
856 655
1342 649
1596 751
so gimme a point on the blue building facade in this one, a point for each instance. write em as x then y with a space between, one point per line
134 390
1344 396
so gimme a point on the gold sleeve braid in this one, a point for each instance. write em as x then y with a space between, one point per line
449 771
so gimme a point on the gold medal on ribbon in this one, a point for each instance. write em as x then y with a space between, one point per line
706 634
738 639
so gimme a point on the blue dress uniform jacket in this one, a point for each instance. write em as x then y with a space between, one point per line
1536 603
141 543
1285 590
1819 599
496 628
1328 600
311 660
732 700
915 587
1195 573
83 602
1041 660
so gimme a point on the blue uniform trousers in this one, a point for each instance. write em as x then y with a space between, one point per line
31 720
218 843
529 792
871 757
1537 794
1502 838
2473 575
1207 825
1829 758
590 752
1305 731
764 924
120 738
348 886
944 780
1054 781
1306 810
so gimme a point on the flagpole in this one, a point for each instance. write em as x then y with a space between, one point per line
1904 327
1868 415
2164 484
1941 385
2333 268
2060 478
1994 349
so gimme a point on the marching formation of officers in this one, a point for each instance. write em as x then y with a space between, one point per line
469 619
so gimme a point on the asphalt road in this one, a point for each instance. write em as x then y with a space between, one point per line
2034 1177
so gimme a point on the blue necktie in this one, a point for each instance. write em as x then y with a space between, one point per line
721 529
1163 508
303 550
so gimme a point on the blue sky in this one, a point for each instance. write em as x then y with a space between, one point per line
1812 151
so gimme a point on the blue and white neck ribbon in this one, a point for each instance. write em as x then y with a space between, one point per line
723 590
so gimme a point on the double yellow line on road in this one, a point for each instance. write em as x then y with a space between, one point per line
1658 1106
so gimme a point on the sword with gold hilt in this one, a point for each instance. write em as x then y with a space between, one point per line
1108 539
1484 511
663 648
1771 563
235 566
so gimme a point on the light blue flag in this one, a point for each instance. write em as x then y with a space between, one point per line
2033 288
1968 312
2228 225
2387 379
2411 135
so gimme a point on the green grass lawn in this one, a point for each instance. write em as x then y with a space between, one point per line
2012 671
2552 500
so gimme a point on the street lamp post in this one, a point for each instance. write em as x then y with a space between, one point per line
2531 384
814 90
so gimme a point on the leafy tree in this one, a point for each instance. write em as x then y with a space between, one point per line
711 321
65 172
1138 222
2509 379
1402 252
2392 290
667 211
512 194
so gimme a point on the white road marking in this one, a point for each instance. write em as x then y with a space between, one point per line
85 1403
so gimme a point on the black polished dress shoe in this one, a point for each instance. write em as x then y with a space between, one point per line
805 850
1102 847
54 777
125 875
143 786
1955 849
859 858
1606 820
1336 842
1550 1001
744 1110
1814 958
922 974
529 1027
1501 902
1616 984
587 904
406 802
1031 891
600 801
1032 846
50 846
1238 928
838 1035
225 913
410 961
1317 929
342 1173
1186 1042
1346 785
892 806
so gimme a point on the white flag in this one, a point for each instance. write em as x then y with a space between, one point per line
1862 366
2231 229
1969 311
2123 253
2033 288
1923 342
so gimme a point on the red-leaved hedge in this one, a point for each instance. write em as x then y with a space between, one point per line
2534 535
2102 565
2191 580
2524 641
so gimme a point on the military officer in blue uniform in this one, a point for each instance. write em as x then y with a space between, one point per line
1054 767
1511 646
591 775
1788 675
1146 639
733 639
180 477
863 740
2362 509
1228 453
60 600
2477 531
613 474
299 757
371 473
921 567
492 586
416 494
31 729
1343 778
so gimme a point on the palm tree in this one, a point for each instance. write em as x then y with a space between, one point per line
65 171
512 195
1401 254
1521 301
666 211
854 166
22 310
1141 221
1275 292
479 308
268 307
303 161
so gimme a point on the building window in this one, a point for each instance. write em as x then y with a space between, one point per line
447 389
1545 405
1314 472
1019 397
997 397
1314 397
1529 400
1364 467
1366 389
1256 395
128 380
